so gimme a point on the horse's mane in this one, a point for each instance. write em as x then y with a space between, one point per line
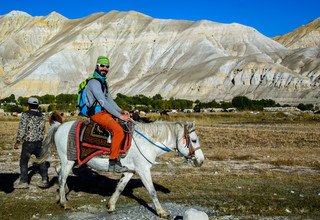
55 116
158 130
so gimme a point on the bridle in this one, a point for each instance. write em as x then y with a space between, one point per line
186 138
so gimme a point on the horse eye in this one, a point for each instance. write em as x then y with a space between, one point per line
194 140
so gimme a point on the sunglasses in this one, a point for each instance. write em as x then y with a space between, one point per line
102 65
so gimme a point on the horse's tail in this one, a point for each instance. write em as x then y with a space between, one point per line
55 121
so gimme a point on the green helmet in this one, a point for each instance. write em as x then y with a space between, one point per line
103 60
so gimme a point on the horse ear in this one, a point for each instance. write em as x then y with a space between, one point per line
191 125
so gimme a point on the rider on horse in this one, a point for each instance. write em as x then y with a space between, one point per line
103 110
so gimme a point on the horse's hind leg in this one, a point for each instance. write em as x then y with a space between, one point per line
63 175
58 171
120 187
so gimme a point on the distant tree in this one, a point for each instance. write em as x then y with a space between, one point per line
226 105
123 104
66 102
157 97
13 108
23 101
47 99
211 104
142 100
123 101
181 104
121 96
268 103
241 102
305 107
310 107
9 99
51 108
156 104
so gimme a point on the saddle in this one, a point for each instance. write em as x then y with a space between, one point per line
93 140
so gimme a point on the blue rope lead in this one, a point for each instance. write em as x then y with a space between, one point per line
162 148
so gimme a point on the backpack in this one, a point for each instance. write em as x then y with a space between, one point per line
84 110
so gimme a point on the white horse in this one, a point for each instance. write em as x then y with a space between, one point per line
149 141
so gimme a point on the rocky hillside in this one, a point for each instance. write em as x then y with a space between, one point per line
302 37
182 59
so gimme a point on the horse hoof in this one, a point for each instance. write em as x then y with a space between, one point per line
110 208
67 207
164 214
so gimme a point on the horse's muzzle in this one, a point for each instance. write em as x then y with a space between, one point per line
196 162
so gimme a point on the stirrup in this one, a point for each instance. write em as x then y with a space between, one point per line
117 168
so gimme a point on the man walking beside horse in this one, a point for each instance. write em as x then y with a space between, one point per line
31 133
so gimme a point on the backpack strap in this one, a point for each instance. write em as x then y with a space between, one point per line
104 88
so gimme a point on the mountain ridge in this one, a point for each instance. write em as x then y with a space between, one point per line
302 37
182 59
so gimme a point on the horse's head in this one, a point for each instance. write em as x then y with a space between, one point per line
188 143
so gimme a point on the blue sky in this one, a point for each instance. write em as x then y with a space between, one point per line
270 17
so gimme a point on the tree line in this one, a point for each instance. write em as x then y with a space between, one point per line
68 103
61 102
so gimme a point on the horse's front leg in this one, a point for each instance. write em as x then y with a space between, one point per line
120 187
145 176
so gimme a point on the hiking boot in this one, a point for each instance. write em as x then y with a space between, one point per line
21 185
44 184
117 167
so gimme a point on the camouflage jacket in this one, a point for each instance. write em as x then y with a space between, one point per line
31 126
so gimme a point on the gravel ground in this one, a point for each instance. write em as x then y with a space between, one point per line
139 212
136 212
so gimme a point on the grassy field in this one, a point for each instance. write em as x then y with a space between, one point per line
257 165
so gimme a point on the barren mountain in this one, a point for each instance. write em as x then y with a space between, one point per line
302 37
182 59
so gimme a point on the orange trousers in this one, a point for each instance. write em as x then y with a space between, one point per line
106 120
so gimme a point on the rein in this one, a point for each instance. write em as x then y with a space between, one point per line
165 148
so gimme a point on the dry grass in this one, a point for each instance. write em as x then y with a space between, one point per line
264 164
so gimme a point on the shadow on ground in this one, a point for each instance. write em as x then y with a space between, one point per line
84 180
88 181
